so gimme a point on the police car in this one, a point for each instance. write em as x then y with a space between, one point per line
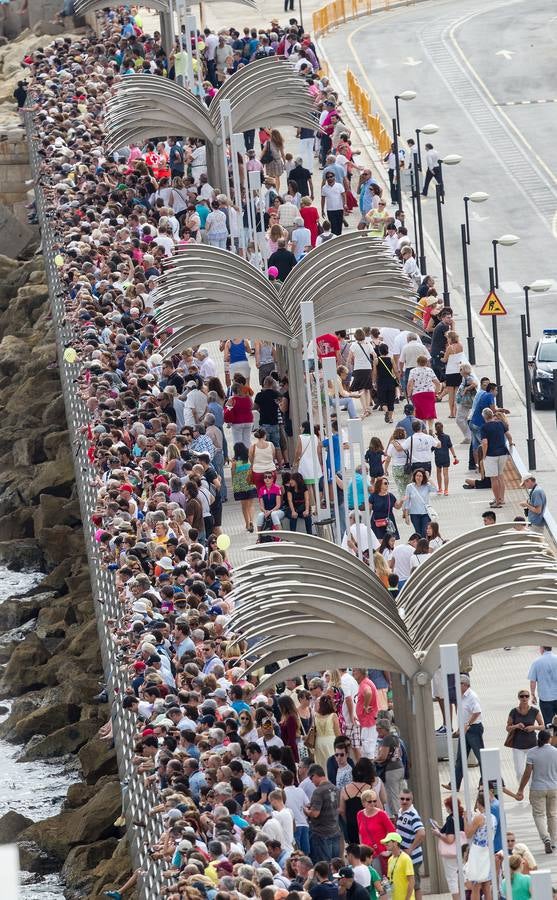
542 367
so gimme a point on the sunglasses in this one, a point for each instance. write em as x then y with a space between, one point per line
370 801
340 754
523 696
405 799
267 478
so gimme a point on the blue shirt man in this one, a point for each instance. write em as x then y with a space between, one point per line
536 503
365 200
543 672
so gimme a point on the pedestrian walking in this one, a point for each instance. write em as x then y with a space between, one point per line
411 829
333 202
543 673
541 771
322 812
522 723
433 169
473 728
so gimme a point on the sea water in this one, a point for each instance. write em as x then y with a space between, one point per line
35 789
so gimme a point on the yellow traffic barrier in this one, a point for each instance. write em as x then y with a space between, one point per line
339 11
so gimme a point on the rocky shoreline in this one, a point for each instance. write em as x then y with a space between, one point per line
49 651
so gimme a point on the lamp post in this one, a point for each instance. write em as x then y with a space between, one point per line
416 169
425 129
451 160
406 95
530 442
497 361
506 240
470 338
539 287
476 197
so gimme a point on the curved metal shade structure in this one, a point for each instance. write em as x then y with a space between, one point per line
349 280
144 107
305 596
296 594
85 6
477 586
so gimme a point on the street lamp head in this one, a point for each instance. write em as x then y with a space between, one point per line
478 197
507 240
406 95
452 159
541 285
428 129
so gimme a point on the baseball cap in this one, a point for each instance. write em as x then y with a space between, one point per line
344 872
527 477
220 694
392 838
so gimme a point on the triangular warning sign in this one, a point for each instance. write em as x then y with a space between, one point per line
492 306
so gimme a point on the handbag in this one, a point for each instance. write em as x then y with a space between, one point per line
408 463
509 740
384 523
310 738
432 513
449 850
267 155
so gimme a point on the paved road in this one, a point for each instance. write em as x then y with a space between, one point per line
449 54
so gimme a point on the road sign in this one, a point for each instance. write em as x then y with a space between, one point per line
493 306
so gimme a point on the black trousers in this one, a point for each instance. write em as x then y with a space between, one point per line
475 743
436 173
335 217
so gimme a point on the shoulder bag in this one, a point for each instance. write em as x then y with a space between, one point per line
391 373
509 740
408 463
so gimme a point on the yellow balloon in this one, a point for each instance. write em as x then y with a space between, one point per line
70 356
223 542
58 260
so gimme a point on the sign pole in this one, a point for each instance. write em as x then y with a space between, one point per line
495 342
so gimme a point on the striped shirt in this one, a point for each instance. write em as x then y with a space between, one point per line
408 823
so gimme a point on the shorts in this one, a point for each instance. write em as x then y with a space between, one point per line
354 733
417 877
494 466
273 434
453 380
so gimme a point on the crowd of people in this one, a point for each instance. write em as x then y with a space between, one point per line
263 793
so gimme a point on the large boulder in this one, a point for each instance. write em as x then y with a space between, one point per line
19 524
18 610
13 351
46 720
97 758
92 822
55 477
65 740
21 554
24 670
12 823
59 542
54 442
53 511
82 860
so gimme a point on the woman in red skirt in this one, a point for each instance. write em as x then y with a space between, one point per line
421 388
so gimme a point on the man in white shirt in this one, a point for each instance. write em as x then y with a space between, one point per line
473 728
333 202
389 336
206 191
207 368
358 537
420 447
296 799
301 238
402 559
349 687
391 238
284 817
433 169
